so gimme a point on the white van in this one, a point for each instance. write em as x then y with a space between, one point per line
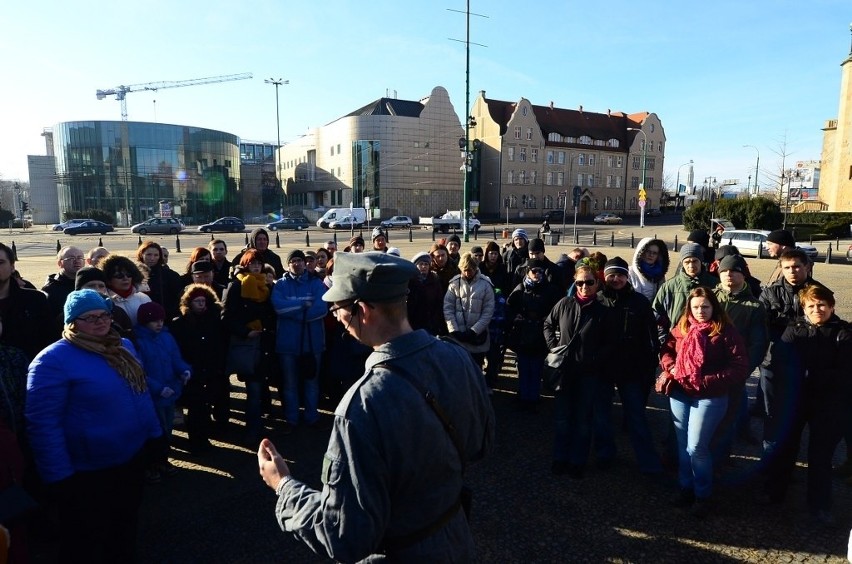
336 214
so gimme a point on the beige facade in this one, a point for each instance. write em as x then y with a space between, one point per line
533 156
835 188
402 154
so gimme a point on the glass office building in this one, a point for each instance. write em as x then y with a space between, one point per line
130 169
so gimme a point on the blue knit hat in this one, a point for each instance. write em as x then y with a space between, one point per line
79 302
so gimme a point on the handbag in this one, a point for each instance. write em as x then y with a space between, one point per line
664 384
243 355
306 362
554 368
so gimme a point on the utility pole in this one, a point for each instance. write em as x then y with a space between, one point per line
278 82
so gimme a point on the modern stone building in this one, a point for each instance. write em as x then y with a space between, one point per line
401 154
835 190
531 158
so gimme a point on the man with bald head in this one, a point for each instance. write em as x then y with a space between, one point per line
59 285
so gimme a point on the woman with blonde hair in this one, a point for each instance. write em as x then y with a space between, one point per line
468 307
703 357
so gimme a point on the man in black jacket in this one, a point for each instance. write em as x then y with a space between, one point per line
632 329
259 239
781 301
25 309
60 284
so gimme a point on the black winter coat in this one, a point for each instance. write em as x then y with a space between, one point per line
583 329
166 289
202 339
781 301
526 309
634 346
27 320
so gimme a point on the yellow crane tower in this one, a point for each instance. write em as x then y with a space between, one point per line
121 91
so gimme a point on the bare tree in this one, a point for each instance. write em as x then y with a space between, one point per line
776 188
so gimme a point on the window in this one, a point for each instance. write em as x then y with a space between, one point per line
650 182
533 176
660 147
561 157
651 147
579 179
633 203
416 168
524 110
529 129
517 132
642 145
612 143
619 204
417 144
522 177
595 206
523 154
548 202
652 128
425 169
510 178
531 203
634 182
618 182
609 161
338 148
550 157
609 181
590 180
534 155
650 163
619 162
339 175
549 179
332 150
511 151
560 178
513 201
581 159
585 140
591 160
607 203
636 161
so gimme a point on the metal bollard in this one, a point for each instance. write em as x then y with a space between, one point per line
246 239
307 239
212 238
433 235
277 240
595 238
811 240
632 241
675 244
100 242
476 234
335 238
828 255
612 239
14 252
495 232
177 243
140 241
576 238
837 245
410 235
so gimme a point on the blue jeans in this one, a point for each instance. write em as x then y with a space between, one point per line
572 410
290 393
529 377
695 422
633 396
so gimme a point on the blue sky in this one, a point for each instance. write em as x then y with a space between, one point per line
720 74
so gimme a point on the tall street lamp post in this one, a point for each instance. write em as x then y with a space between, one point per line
278 82
756 170
642 184
677 182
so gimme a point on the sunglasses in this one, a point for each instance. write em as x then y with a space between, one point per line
581 283
120 275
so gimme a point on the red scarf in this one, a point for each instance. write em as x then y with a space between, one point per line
690 359
124 294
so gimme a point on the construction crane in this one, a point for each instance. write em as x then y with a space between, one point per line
120 92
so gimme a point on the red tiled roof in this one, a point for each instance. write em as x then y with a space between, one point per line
572 123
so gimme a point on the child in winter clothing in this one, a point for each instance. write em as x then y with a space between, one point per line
165 370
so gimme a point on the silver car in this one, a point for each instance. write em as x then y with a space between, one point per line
165 225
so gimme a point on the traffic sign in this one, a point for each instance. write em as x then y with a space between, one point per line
641 203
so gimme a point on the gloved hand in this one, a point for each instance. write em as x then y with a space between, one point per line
469 335
167 392
185 377
457 335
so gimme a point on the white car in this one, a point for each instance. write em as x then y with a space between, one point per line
348 222
748 241
607 218
397 221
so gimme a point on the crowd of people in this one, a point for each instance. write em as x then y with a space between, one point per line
114 351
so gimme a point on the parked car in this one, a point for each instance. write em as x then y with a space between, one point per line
298 223
167 225
608 218
223 225
654 212
748 241
69 223
90 226
397 221
346 222
554 215
849 254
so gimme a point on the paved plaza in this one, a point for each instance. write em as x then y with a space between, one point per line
218 510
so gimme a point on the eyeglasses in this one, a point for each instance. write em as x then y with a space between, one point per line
335 310
96 318
581 283
120 275
75 258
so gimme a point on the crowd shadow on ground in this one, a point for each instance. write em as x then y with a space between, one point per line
217 509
